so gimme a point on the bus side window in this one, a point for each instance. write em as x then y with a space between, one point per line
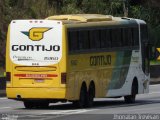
105 38
144 33
145 48
73 40
127 37
130 37
116 37
94 39
135 36
83 40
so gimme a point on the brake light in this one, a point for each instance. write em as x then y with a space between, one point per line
63 78
8 76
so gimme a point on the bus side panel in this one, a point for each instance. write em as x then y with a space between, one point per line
107 74
130 72
120 71
97 67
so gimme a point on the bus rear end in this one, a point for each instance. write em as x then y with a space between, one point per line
36 62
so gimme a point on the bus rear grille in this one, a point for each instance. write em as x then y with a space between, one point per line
36 68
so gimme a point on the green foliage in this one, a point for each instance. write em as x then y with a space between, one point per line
40 9
116 8
151 16
94 6
12 3
71 8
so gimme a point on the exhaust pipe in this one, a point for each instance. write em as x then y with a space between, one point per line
18 96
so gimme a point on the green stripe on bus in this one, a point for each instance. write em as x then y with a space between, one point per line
120 70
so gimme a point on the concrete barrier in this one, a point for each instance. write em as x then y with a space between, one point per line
2 86
155 74
155 71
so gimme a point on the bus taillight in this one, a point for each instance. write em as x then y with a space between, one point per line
63 78
8 76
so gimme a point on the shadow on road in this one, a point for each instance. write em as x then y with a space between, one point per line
100 104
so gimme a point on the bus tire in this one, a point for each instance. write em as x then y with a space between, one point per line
81 103
132 98
91 95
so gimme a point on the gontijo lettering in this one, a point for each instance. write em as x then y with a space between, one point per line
35 48
100 60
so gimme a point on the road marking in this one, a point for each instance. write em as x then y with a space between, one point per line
69 112
3 98
154 93
146 94
5 107
155 85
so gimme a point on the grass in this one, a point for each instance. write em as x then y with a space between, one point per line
155 62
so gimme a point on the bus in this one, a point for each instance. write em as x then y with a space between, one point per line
76 58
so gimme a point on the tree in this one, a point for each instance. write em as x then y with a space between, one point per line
148 10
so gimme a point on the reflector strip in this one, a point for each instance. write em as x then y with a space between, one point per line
35 75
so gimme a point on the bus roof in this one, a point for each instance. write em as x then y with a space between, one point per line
86 20
81 18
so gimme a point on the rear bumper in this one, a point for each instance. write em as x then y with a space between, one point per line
36 93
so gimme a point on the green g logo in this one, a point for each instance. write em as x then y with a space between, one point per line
36 34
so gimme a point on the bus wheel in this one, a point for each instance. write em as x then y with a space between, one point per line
91 95
131 98
81 103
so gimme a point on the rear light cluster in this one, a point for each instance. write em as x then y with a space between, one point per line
8 76
63 78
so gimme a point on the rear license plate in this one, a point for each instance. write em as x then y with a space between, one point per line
39 80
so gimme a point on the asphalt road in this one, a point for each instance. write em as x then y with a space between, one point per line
147 107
